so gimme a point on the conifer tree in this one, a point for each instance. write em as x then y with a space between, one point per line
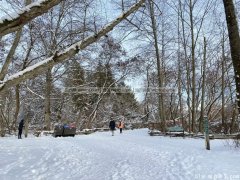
74 84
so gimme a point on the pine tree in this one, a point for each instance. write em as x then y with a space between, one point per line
124 101
103 77
74 84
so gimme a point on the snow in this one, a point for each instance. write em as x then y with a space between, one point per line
28 69
133 155
16 14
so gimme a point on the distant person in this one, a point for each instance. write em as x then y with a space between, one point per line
20 128
112 126
120 126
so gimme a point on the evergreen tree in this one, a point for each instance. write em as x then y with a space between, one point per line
124 100
74 84
103 76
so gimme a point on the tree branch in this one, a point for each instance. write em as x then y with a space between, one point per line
25 15
42 66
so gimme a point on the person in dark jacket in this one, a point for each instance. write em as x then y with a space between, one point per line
112 126
20 128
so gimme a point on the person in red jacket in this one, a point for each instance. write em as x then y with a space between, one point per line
120 126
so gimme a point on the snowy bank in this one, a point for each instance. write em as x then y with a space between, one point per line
131 155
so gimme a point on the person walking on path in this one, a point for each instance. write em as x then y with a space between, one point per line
120 126
112 126
20 128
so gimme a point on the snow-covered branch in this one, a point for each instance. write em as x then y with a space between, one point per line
13 21
35 93
59 57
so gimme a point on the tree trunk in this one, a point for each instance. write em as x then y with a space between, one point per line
26 122
10 54
233 102
162 70
180 72
187 65
2 124
47 99
223 87
233 118
146 106
17 98
160 83
203 86
234 40
193 69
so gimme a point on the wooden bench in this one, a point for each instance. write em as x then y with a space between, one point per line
175 131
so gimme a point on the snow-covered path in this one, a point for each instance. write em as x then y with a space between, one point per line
133 155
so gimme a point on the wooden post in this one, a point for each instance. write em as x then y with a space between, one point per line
206 133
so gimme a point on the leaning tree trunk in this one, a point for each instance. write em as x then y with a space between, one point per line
234 40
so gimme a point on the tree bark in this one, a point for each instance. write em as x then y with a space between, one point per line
234 40
203 86
26 15
17 98
193 69
180 71
187 64
10 54
2 124
26 120
160 83
48 99
223 87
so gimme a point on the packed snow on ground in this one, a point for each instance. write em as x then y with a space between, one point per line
133 155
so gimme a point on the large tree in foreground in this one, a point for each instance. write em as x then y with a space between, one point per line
234 39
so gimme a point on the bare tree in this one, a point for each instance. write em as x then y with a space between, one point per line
59 57
203 86
159 67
